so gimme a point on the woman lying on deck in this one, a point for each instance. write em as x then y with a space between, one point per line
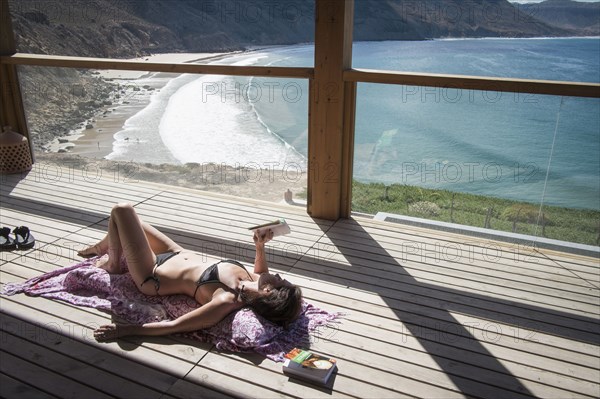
159 266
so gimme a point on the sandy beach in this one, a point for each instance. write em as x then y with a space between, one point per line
133 90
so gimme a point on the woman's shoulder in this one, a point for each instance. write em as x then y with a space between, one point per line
227 298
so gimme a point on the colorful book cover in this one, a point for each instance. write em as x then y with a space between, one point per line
309 366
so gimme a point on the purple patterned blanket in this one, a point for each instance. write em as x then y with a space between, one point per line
84 284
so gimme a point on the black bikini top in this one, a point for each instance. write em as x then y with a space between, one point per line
211 274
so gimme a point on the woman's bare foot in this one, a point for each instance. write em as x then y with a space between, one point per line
105 263
89 252
111 332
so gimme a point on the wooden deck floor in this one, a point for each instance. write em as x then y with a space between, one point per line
430 314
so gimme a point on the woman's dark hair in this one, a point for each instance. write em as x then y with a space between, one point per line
282 305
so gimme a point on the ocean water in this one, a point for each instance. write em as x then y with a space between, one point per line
516 146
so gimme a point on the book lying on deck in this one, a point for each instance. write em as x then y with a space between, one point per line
279 227
309 366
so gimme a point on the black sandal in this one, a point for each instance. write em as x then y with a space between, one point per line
6 242
23 237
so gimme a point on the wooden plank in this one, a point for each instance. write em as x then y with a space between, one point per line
77 370
234 227
450 259
566 258
585 268
401 271
422 309
442 372
453 247
165 354
446 81
463 363
231 207
13 388
385 233
511 342
445 346
183 388
580 298
128 65
46 379
70 217
452 346
399 300
128 378
77 193
453 336
65 180
244 372
228 217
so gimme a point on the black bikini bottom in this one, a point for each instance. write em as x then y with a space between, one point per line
160 259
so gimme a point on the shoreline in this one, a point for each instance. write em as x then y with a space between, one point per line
133 91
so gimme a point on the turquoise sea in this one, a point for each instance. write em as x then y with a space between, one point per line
516 146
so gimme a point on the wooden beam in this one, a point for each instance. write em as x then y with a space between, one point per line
533 86
12 112
333 55
129 65
557 88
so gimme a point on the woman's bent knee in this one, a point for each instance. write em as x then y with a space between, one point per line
123 208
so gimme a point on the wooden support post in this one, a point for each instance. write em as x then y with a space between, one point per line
7 38
348 148
331 112
12 112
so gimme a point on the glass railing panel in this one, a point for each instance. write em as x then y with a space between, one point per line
245 136
471 158
563 59
571 199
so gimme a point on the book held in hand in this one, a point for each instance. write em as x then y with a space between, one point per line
309 366
279 227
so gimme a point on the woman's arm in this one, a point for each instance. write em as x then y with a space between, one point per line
260 258
205 316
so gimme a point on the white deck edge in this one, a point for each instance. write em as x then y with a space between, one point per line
515 238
